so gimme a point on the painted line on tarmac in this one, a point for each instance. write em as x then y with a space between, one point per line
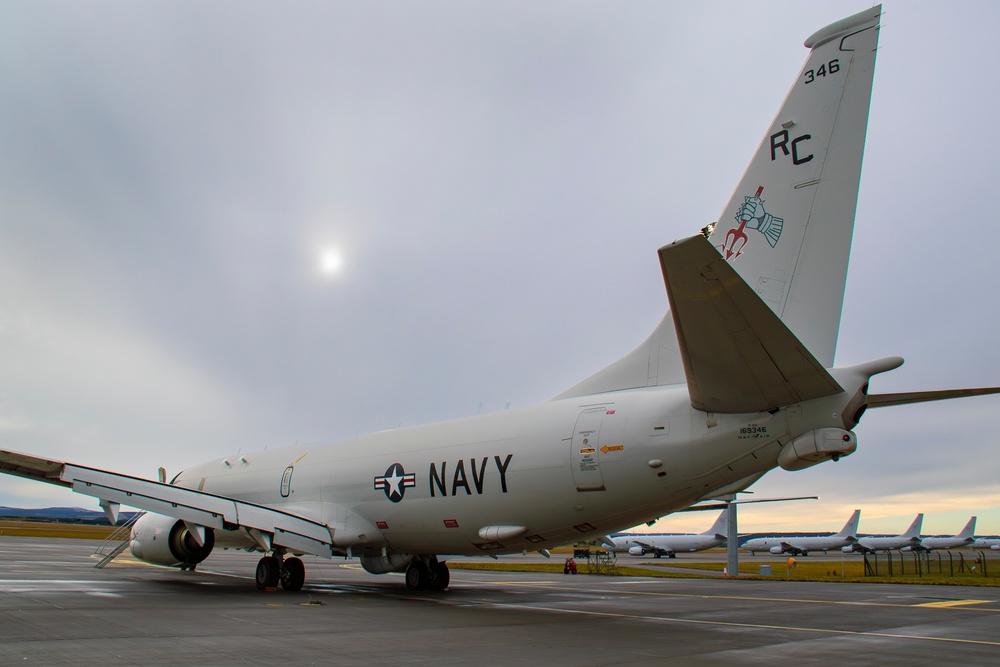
755 626
959 604
940 604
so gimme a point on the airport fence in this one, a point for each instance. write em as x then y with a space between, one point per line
929 563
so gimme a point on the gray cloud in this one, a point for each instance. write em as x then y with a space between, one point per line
494 173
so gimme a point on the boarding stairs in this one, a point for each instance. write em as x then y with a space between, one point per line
116 543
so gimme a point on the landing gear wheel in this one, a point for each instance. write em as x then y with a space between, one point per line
268 572
293 574
418 577
441 576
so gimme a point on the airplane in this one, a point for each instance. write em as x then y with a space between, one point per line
665 544
801 545
986 543
736 380
910 538
964 539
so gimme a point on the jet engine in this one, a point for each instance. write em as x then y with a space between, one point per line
636 551
817 446
777 551
163 540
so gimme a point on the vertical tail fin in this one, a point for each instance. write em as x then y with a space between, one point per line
787 228
969 530
720 525
850 528
914 529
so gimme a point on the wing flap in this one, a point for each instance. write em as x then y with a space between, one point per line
288 530
285 529
738 355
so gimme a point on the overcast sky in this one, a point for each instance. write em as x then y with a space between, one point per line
497 178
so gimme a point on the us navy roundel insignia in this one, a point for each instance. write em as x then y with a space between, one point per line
395 482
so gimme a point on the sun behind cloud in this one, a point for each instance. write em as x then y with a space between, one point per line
331 261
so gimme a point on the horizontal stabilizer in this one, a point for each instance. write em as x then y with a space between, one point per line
738 355
886 400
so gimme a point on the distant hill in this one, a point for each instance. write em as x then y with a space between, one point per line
61 515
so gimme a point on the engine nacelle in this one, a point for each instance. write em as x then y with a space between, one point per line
164 540
777 551
636 551
388 563
817 446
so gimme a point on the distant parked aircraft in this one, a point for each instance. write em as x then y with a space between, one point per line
802 545
986 543
963 539
664 544
910 539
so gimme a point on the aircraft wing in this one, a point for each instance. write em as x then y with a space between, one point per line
652 547
266 525
738 355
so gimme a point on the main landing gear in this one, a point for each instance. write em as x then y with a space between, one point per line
289 572
428 574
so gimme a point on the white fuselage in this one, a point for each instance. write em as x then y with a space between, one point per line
669 544
594 464
954 542
797 544
888 543
986 543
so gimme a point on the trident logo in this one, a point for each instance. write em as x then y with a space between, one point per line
752 216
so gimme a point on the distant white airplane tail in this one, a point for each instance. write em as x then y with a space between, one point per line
850 528
720 527
969 530
787 228
914 529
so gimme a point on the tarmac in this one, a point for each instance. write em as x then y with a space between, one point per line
57 609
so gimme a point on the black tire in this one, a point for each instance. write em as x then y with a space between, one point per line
293 574
268 572
417 576
441 576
